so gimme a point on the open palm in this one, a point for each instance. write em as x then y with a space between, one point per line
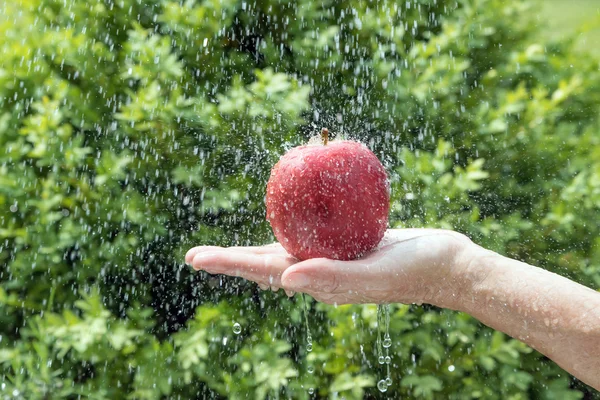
410 265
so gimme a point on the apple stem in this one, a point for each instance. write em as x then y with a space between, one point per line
325 135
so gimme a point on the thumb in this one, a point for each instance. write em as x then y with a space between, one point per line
320 275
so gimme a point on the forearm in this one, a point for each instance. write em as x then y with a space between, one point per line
556 316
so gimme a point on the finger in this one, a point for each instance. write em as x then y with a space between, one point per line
321 275
261 268
189 256
273 248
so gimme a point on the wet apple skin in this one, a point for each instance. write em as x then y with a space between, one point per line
328 201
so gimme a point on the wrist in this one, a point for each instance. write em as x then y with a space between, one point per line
467 270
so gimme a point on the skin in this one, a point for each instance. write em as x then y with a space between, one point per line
556 316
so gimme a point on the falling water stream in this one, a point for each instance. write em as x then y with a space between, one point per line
309 345
383 345
383 323
310 369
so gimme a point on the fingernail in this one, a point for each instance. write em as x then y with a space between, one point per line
298 281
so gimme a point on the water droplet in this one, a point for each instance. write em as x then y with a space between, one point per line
388 359
381 359
451 368
237 328
382 385
388 381
310 369
311 391
309 347
387 342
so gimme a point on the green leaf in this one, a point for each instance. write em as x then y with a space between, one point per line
422 386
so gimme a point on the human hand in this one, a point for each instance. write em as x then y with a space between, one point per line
409 266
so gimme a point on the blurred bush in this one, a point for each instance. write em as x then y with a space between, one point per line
131 130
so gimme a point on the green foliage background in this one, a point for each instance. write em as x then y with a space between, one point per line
131 130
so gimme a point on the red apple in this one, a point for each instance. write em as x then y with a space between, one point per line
330 200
